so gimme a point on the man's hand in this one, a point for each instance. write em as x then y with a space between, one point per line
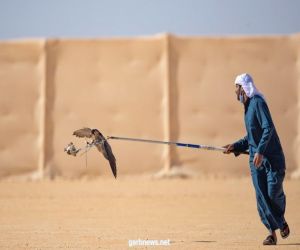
228 148
257 160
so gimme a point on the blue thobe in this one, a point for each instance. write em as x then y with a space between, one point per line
262 138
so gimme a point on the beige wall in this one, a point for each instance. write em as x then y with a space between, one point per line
113 85
205 106
21 82
161 87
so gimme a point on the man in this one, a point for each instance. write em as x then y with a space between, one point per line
267 162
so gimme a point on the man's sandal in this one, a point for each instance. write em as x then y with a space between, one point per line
285 231
270 240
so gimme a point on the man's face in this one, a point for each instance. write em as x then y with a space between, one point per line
239 91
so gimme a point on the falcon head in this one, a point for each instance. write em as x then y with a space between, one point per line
96 132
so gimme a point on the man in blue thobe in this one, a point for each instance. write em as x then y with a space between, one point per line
267 162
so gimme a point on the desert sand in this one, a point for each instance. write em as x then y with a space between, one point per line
103 213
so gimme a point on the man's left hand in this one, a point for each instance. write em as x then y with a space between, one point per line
257 160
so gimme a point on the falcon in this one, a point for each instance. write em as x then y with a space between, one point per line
101 144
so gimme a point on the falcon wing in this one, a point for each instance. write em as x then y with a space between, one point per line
84 132
111 158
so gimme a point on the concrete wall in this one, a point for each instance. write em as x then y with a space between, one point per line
114 85
22 74
205 106
161 87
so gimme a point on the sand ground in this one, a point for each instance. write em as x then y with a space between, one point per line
105 214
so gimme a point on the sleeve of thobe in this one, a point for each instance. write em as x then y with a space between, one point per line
241 145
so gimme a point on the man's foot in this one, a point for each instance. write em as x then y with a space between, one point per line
270 240
285 231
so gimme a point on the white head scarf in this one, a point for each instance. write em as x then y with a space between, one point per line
246 81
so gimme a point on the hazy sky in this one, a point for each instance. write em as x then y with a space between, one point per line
112 18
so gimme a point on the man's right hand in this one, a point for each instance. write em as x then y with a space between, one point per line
228 148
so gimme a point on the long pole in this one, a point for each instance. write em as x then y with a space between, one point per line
178 144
